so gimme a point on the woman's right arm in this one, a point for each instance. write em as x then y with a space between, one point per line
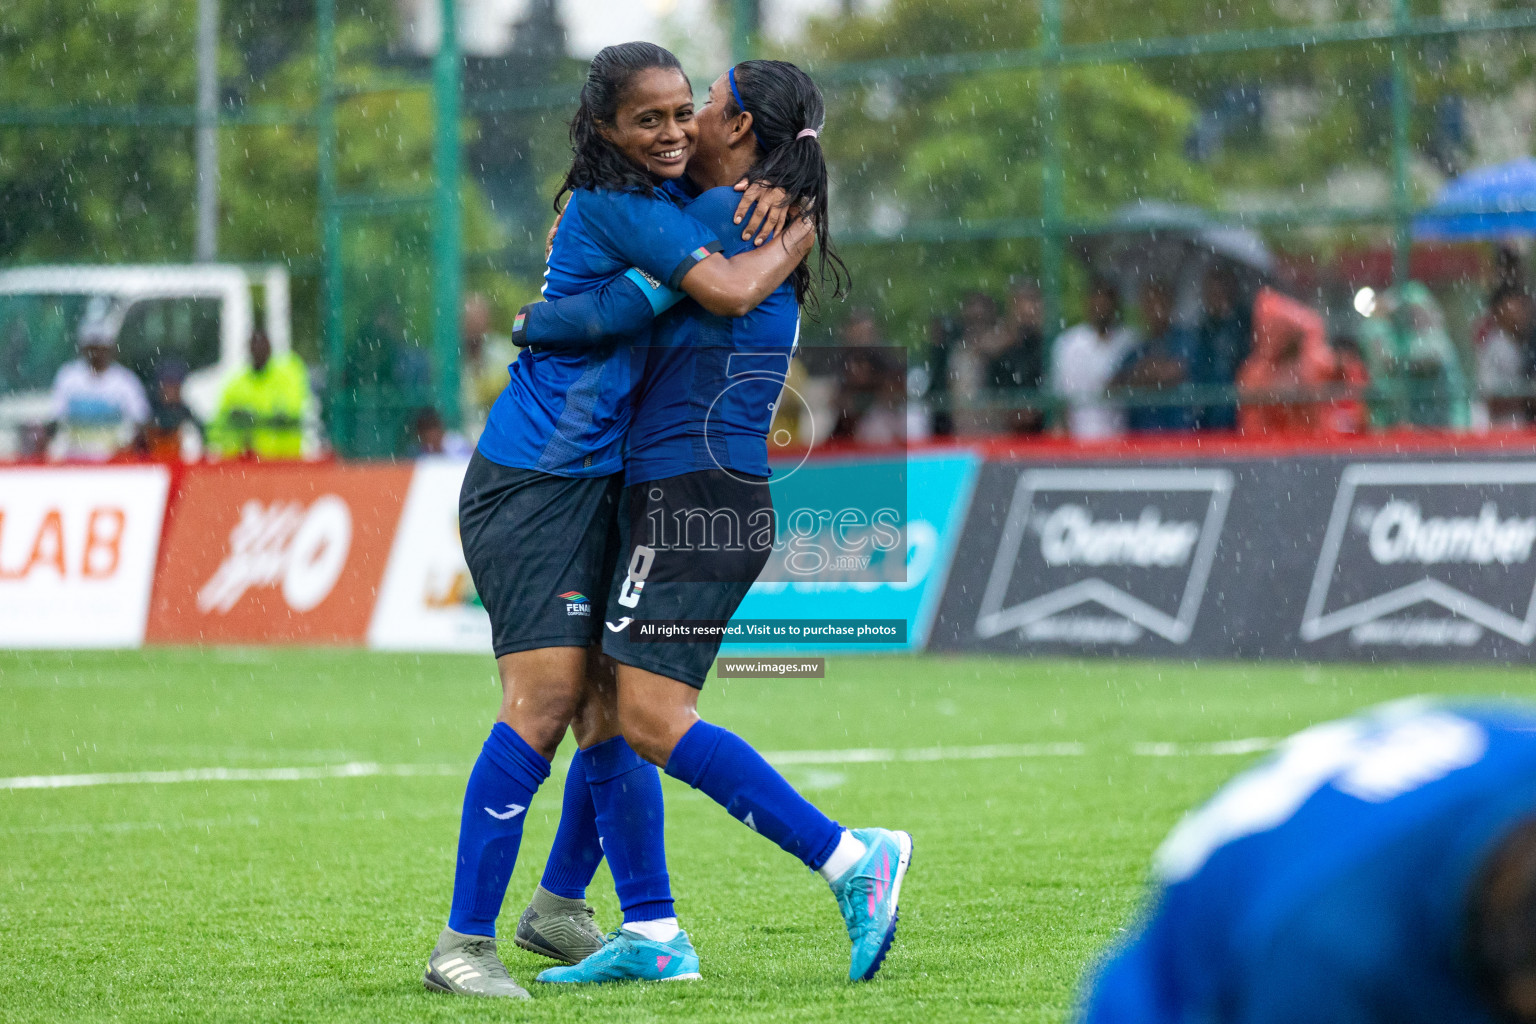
683 254
735 286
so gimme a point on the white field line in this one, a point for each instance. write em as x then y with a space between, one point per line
350 770
878 755
1225 748
856 755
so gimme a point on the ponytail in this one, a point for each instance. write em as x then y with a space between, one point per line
788 114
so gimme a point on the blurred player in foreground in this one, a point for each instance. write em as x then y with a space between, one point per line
1378 869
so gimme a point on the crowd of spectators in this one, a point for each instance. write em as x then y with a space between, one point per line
100 411
1247 359
1251 360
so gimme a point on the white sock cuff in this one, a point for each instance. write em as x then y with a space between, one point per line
663 929
847 854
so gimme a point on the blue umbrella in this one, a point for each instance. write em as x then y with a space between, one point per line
1489 202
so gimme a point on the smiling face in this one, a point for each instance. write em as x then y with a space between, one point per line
654 126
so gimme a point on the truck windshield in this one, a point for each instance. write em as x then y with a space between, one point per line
181 328
38 335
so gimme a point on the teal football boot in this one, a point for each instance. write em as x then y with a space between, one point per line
868 893
628 957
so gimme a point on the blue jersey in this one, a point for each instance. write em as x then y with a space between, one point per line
1330 884
708 385
566 411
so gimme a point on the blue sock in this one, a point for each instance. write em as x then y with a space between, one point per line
725 767
626 791
501 785
576 853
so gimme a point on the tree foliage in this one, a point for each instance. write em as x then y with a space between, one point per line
949 153
946 154
86 193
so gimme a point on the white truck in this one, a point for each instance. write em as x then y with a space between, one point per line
201 314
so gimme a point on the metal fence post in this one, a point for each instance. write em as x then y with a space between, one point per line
447 268
206 245
743 28
331 323
1051 244
1402 111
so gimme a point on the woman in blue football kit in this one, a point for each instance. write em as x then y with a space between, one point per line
698 453
537 505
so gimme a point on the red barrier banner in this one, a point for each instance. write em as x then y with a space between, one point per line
276 554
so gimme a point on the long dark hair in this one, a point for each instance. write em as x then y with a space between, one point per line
596 162
1500 934
784 102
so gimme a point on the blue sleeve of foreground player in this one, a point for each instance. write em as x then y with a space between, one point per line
623 306
1132 988
1172 968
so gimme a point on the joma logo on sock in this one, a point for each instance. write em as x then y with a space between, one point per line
512 811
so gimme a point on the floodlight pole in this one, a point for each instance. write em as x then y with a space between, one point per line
447 269
206 244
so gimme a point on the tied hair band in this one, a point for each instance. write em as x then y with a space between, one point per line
808 133
731 74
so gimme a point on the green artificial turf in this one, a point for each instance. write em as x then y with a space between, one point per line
318 900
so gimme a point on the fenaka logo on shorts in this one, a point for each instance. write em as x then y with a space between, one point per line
1428 555
576 603
1138 544
299 549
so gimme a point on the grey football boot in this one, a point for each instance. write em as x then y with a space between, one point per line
559 928
467 965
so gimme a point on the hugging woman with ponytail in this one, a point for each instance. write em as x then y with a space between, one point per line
538 503
697 446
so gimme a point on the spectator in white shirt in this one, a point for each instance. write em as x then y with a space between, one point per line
1084 360
1505 356
98 405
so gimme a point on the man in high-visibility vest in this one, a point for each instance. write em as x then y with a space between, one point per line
262 409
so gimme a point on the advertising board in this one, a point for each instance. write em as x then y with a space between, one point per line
77 554
1312 557
276 553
